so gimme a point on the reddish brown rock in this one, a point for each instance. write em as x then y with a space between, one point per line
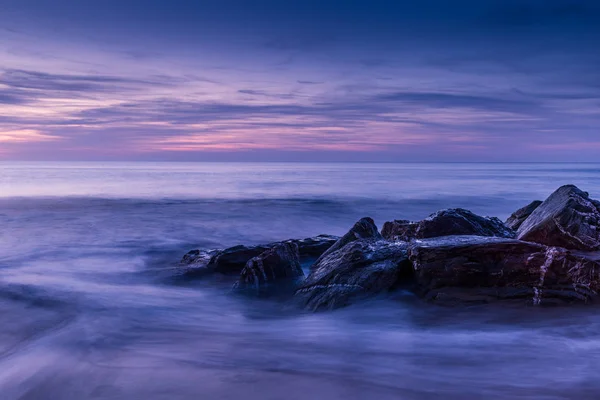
568 218
457 269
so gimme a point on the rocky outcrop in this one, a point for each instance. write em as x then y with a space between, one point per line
568 218
458 269
518 217
274 270
360 269
232 260
365 228
455 221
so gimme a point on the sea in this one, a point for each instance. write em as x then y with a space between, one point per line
89 309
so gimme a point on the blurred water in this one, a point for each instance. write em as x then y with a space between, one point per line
85 311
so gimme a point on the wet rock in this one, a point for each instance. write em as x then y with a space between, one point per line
232 260
568 218
365 228
272 271
464 269
518 217
195 263
400 230
455 221
360 269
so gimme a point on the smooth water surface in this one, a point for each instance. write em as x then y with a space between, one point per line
88 310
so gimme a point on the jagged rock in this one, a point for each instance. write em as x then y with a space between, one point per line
232 260
454 221
518 217
400 229
361 268
273 270
457 269
568 218
365 228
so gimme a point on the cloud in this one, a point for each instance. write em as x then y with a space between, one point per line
36 80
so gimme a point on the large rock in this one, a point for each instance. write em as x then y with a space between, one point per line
568 218
518 217
457 269
455 221
274 270
232 260
360 269
365 228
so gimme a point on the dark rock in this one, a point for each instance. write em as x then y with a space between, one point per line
365 228
360 269
273 270
455 221
518 217
568 218
195 263
232 260
400 230
458 269
314 247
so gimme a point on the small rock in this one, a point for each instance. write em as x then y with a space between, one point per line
365 228
273 270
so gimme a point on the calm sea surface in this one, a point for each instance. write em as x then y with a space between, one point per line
87 309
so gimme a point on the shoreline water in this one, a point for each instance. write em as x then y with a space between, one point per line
84 315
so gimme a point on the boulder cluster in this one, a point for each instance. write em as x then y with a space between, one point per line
545 253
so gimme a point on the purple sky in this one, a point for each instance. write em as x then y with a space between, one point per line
300 80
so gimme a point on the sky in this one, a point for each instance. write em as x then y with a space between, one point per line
289 80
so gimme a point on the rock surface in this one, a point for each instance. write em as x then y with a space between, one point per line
455 221
232 260
400 229
360 269
457 269
568 218
365 228
518 217
273 270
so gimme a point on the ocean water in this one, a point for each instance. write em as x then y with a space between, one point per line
87 309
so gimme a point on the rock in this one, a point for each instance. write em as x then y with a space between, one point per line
232 260
365 228
518 217
400 230
195 263
273 270
314 247
360 269
568 218
455 221
459 269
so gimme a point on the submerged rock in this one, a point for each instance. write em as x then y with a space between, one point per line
518 217
360 269
232 260
568 218
454 221
273 270
457 269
